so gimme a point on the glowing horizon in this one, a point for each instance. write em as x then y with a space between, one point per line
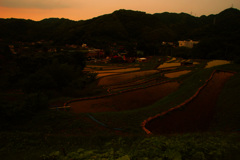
83 10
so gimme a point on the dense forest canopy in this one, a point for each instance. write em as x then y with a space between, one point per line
123 25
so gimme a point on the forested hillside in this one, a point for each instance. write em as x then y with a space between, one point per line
219 34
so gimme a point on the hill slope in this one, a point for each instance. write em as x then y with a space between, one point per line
123 25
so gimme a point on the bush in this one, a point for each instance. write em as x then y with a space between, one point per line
18 111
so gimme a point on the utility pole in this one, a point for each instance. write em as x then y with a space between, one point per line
214 20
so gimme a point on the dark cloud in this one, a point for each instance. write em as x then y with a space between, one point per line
42 4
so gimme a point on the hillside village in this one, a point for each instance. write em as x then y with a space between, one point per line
115 51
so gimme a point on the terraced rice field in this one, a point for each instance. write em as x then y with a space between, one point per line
106 74
196 115
104 67
116 79
115 71
176 74
103 71
174 63
135 84
216 63
107 67
125 101
172 59
167 65
195 63
168 69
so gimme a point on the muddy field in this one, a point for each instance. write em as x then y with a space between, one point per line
176 74
107 70
135 84
126 100
116 79
167 65
101 67
194 116
115 71
216 63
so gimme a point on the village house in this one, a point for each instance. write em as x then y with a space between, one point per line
95 53
84 45
11 47
187 44
168 43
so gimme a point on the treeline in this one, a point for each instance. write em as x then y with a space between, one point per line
212 47
123 25
136 30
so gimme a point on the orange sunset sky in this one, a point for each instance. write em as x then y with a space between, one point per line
86 9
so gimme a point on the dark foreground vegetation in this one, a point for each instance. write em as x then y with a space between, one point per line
29 83
32 82
179 147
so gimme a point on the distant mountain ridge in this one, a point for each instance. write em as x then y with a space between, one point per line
124 26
